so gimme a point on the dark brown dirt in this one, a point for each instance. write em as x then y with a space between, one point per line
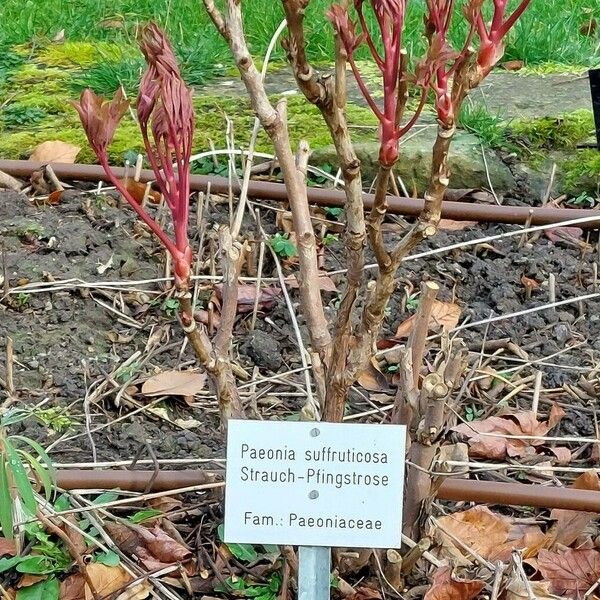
65 340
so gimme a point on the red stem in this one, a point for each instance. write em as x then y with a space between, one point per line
417 114
463 52
363 24
154 163
499 10
481 30
162 236
513 18
363 88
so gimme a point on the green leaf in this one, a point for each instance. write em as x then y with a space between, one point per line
6 504
35 530
13 416
42 472
41 452
333 211
238 585
144 515
35 565
271 552
110 559
62 503
44 590
245 552
9 563
274 583
15 466
106 497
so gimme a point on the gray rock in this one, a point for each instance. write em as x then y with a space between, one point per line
466 162
562 333
135 433
517 95
263 349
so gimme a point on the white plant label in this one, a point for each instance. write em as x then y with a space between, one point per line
314 484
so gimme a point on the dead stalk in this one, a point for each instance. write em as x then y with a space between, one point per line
214 356
10 359
418 337
274 121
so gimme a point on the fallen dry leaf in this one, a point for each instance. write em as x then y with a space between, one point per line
174 383
516 590
570 524
29 580
563 455
568 235
513 65
372 379
445 587
137 189
528 539
497 447
165 503
153 547
77 539
571 573
325 283
444 315
491 535
7 547
450 225
478 528
106 581
72 588
247 295
55 196
55 151
366 593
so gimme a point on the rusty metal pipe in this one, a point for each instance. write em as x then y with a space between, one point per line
458 490
410 207
132 480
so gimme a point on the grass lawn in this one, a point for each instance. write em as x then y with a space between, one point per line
549 32
38 77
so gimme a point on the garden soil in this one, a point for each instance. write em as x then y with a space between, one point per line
71 340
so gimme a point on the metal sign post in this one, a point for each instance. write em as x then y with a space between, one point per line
314 572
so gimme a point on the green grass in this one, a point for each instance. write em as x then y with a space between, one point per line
548 33
489 128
